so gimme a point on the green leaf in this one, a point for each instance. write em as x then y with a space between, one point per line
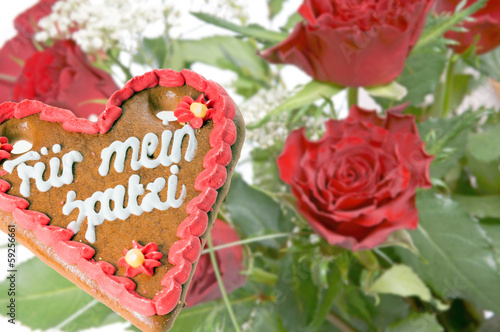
416 323
275 7
490 64
422 72
436 31
45 299
402 281
458 90
400 238
310 93
224 52
326 297
484 146
368 259
480 206
446 139
254 31
487 175
354 304
391 308
209 313
264 164
254 212
393 91
153 52
459 258
296 295
462 316
252 314
492 229
292 21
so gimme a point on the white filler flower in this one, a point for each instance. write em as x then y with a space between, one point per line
99 25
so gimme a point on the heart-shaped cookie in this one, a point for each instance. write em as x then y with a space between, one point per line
121 207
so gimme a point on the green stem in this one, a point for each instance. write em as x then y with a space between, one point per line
448 85
250 240
383 256
7 78
221 284
352 96
340 323
125 70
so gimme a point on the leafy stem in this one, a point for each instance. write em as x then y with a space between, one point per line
125 70
448 86
352 96
221 284
339 322
8 78
431 35
252 240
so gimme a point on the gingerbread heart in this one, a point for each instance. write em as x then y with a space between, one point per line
121 207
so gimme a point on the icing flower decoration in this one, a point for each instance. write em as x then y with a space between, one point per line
194 111
140 259
5 148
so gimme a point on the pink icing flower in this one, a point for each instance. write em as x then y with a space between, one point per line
5 148
194 111
140 259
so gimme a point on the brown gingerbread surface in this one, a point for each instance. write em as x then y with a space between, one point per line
138 119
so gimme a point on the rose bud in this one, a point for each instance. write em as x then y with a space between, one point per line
353 43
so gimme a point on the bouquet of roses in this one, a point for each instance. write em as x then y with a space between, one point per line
368 198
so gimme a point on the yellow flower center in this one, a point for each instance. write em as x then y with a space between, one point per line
199 110
134 258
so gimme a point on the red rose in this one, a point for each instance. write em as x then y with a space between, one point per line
353 43
12 55
204 286
62 76
357 184
16 50
486 26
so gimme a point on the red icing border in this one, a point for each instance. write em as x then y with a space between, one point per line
183 252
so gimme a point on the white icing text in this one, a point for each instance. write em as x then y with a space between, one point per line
149 146
116 196
37 171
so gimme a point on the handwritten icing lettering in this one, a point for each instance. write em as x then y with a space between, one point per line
37 171
168 151
116 195
149 146
9 165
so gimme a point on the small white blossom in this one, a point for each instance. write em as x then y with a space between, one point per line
256 108
99 25
314 239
